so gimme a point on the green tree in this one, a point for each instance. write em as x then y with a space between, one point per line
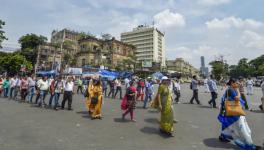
2 33
29 46
11 63
219 69
258 65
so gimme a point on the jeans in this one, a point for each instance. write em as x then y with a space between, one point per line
11 92
148 98
16 90
6 92
195 96
67 96
104 91
42 97
31 91
79 89
57 97
214 96
112 91
51 99
178 95
118 88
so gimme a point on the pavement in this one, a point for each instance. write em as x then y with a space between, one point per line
26 127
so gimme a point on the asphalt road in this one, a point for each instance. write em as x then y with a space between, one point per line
25 127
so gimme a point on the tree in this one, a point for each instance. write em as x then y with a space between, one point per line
11 63
29 46
2 36
258 65
219 69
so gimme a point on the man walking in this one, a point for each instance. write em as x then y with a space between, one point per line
112 88
149 91
118 88
213 89
23 88
177 90
194 88
31 89
12 86
6 86
68 92
80 86
104 86
58 90
43 86
249 86
17 88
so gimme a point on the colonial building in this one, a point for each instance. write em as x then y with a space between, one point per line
179 65
98 52
49 57
149 43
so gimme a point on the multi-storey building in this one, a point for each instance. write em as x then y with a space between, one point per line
67 40
183 67
49 57
94 51
149 43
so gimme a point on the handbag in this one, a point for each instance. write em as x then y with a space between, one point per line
124 103
94 100
233 108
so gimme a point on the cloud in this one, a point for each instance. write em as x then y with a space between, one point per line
168 19
233 22
213 2
252 40
193 54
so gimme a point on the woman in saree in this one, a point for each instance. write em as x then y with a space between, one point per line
235 128
163 101
95 98
130 101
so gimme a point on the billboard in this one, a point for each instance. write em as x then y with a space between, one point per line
146 64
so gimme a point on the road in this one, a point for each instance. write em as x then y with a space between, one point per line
26 127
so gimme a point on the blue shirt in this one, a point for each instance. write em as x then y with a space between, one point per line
212 85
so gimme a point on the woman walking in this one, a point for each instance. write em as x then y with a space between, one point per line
163 102
234 125
131 101
95 99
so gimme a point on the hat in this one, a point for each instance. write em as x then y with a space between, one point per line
164 78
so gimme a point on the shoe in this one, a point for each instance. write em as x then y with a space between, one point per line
70 109
175 121
222 139
133 120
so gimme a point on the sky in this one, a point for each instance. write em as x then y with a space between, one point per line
193 28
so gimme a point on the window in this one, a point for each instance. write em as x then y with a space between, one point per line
83 62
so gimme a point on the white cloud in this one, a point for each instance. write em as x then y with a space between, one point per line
233 22
252 40
213 2
167 19
193 55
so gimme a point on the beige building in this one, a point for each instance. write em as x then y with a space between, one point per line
98 52
179 65
49 57
149 43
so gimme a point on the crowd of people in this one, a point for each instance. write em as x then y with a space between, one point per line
95 89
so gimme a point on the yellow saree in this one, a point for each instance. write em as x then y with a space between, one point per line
166 118
95 109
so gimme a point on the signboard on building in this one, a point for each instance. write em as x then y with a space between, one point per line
146 64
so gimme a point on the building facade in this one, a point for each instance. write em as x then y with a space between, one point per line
98 52
49 57
179 65
204 70
149 43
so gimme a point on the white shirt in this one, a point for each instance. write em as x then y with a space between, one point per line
68 86
249 82
43 85
13 82
31 82
118 83
177 85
